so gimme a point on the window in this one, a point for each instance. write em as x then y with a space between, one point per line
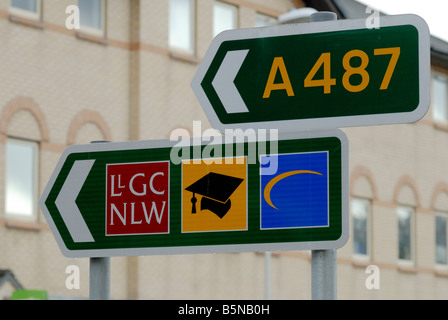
181 25
21 178
405 233
92 16
361 234
441 239
225 17
26 8
262 20
440 100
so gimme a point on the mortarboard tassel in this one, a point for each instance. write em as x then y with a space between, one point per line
193 201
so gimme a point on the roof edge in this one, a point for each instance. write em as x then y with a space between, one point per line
439 48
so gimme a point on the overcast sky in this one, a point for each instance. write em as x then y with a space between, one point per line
433 11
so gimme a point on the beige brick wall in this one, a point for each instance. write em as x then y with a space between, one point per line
58 89
405 168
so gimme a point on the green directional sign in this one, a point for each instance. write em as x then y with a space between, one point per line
178 197
317 75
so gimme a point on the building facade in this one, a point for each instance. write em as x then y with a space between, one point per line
125 75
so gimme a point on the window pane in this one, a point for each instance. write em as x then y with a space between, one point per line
360 213
28 5
262 20
224 17
439 87
90 13
20 158
181 24
404 233
441 256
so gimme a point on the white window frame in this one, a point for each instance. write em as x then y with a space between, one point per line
367 255
190 49
35 165
93 31
234 10
411 210
435 75
26 13
443 215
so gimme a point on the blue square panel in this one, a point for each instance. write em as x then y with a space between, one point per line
296 196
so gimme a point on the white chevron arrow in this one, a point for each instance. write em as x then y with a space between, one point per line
65 201
224 82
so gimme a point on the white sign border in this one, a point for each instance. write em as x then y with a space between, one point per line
133 145
318 27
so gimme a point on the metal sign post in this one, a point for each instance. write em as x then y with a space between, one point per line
324 274
99 286
323 262
99 278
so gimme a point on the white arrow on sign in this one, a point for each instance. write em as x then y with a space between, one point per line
65 201
224 85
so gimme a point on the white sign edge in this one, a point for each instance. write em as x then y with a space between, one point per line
132 145
317 27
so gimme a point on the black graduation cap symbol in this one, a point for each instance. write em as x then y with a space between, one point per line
215 190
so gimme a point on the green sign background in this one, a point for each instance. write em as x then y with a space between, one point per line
231 79
300 53
91 202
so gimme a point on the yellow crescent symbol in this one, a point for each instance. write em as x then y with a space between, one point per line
270 185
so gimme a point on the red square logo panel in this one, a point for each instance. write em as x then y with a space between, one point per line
137 200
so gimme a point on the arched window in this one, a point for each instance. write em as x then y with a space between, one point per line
86 127
363 191
24 127
440 206
407 199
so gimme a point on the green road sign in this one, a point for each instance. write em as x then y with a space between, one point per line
168 197
317 75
